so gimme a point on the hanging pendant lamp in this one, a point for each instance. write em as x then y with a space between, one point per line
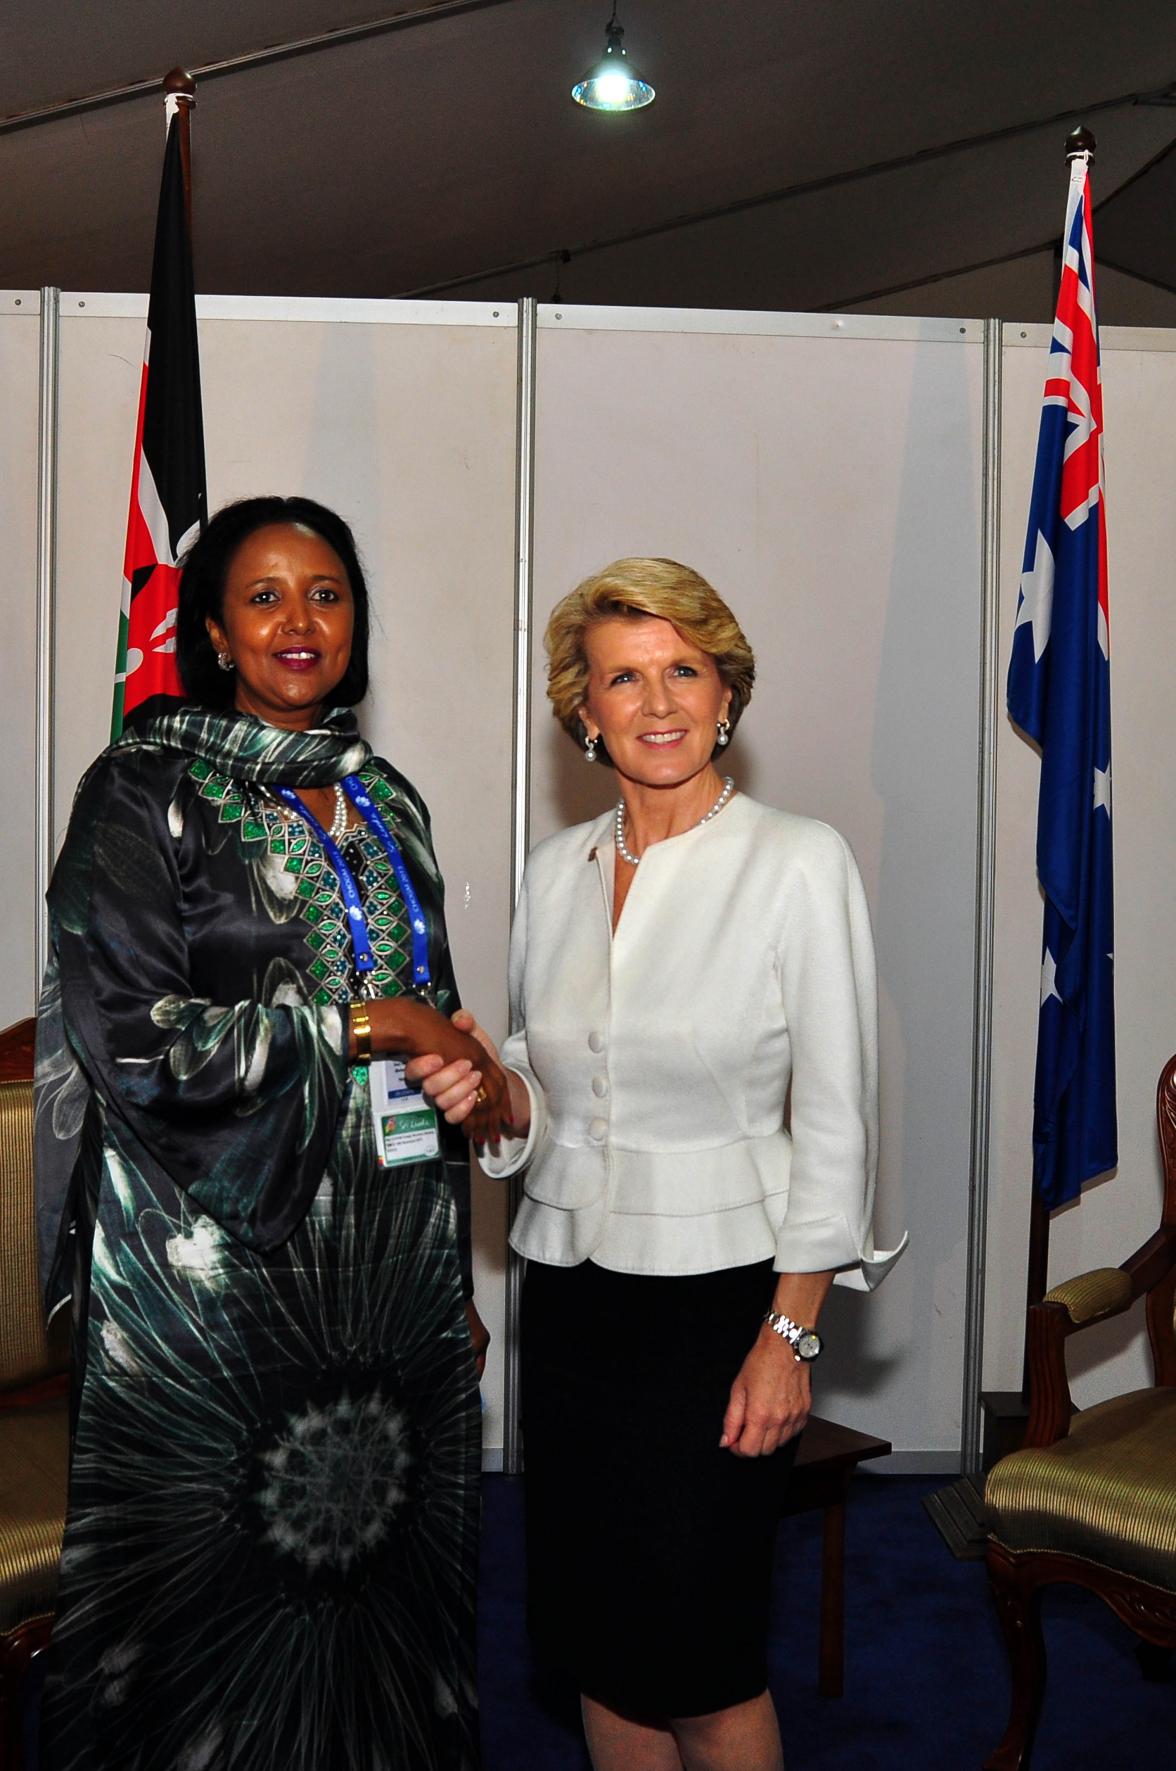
614 83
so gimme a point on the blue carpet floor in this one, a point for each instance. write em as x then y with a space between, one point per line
925 1675
925 1682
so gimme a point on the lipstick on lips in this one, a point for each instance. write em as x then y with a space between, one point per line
298 658
662 740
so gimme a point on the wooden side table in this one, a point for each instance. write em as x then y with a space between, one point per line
826 1459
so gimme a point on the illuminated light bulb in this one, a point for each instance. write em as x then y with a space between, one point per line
614 83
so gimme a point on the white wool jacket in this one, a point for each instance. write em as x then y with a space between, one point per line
659 1058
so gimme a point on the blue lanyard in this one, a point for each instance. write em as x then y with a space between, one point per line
365 962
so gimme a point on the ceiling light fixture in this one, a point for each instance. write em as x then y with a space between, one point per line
614 83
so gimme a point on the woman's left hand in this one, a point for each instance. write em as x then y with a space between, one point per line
770 1399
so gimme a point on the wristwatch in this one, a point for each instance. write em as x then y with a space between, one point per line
806 1343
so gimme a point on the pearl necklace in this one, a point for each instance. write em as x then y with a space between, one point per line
338 828
339 822
619 820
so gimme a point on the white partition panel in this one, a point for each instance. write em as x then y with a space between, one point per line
825 474
402 417
1116 1215
19 379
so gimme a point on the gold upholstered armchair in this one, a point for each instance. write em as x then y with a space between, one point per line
1090 1497
34 1404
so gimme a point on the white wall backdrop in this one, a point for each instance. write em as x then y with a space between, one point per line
826 473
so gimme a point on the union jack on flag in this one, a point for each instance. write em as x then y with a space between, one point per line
1059 693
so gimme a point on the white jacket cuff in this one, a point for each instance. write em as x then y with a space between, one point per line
825 1245
515 1153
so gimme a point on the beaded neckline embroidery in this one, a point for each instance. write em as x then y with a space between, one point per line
265 834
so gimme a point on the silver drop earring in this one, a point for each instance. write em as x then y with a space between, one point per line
590 751
724 733
225 662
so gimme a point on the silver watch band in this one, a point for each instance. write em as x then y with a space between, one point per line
805 1342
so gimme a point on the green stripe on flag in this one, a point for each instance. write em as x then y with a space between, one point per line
120 679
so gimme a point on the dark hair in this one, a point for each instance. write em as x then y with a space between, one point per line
205 567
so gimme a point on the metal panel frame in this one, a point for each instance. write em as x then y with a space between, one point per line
308 310
512 1451
908 330
970 1446
1037 335
754 323
46 622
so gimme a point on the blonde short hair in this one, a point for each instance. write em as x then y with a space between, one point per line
642 587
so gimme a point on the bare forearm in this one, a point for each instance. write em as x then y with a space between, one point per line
398 1024
801 1295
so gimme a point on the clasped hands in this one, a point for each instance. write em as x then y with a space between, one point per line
454 1061
463 1077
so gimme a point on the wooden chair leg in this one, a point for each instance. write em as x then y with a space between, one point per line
1018 1606
831 1669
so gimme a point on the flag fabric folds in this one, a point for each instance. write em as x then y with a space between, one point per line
1059 693
168 496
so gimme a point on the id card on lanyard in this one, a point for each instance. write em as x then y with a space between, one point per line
403 1119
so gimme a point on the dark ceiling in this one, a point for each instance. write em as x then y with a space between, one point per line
795 158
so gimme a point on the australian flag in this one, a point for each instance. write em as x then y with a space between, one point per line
1059 693
168 496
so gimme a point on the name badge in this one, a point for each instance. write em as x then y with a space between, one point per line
405 1120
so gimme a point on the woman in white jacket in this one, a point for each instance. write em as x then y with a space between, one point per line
675 965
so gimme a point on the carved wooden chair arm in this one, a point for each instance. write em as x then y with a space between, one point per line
1074 1305
1050 1403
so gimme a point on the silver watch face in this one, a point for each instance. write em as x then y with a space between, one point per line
808 1344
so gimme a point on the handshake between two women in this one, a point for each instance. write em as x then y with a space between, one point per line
456 1064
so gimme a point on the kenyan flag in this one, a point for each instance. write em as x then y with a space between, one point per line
168 496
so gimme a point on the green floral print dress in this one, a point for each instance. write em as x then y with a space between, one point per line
270 1551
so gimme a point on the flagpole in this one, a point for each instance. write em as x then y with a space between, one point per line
1058 701
168 489
179 91
1080 145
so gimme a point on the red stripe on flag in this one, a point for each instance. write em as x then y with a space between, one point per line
135 555
151 636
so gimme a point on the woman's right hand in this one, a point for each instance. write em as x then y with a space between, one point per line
407 1026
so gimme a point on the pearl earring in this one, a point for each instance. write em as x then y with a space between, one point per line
590 751
724 732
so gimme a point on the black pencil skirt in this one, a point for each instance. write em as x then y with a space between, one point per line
649 1549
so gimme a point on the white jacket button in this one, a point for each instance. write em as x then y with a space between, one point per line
597 1129
599 1086
596 1042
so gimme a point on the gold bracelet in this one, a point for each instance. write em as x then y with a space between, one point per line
361 1031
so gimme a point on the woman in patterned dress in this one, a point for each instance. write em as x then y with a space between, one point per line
270 1551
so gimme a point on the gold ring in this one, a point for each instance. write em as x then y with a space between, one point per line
481 1097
